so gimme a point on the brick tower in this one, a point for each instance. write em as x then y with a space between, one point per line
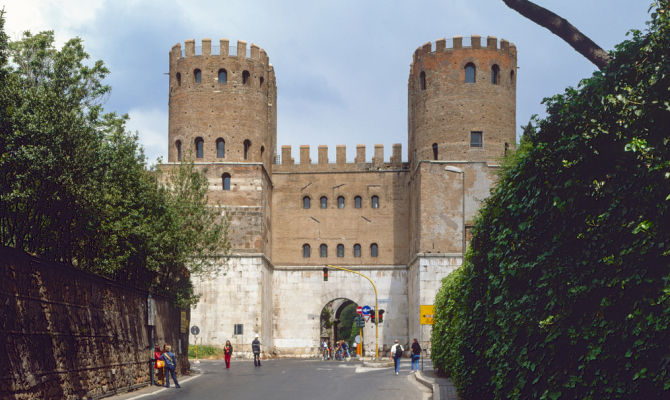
223 117
461 121
462 100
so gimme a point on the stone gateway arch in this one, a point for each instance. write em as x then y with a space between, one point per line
402 223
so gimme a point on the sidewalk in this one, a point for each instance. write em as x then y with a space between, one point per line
443 388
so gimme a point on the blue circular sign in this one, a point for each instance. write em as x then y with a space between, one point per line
195 330
366 310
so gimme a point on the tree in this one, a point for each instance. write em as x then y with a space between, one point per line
74 184
565 292
561 28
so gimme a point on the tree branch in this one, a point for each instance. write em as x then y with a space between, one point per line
561 28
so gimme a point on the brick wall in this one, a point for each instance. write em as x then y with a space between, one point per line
67 334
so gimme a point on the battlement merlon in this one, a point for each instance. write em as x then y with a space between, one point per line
256 53
340 155
442 45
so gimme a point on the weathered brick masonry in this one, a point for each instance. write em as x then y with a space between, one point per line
223 116
67 334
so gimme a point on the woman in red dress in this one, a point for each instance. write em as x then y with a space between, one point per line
227 352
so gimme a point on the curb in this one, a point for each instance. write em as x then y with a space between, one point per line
430 385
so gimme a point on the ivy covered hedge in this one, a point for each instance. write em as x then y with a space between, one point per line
566 290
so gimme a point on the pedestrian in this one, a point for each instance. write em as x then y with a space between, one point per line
416 355
256 348
396 354
227 352
170 366
159 365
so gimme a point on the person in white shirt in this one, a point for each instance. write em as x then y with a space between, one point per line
396 354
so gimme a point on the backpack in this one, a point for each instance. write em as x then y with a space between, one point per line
398 351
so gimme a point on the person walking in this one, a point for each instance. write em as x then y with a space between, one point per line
416 355
396 354
159 365
256 348
170 366
227 353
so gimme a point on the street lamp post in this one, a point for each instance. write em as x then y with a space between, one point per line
462 172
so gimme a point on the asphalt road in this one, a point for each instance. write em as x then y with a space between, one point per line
290 380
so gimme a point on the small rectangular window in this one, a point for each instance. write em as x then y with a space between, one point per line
239 329
476 139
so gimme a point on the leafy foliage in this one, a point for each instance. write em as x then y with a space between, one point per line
566 290
74 185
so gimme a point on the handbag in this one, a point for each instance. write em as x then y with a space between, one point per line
160 364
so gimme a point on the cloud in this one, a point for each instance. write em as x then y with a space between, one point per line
151 126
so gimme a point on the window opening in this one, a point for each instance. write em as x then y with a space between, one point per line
197 76
324 202
470 73
375 202
199 147
340 250
178 79
495 74
434 151
357 202
340 202
238 329
223 76
374 250
357 250
422 78
226 181
177 144
305 202
476 139
323 251
245 77
261 80
220 148
247 145
306 250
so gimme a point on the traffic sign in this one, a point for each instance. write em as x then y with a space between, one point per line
359 310
357 339
427 314
195 330
366 310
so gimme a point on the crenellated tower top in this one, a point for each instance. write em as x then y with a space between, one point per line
222 103
462 100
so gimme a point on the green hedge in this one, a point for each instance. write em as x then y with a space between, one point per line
566 290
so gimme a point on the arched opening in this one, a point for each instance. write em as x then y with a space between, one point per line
340 202
245 77
470 73
247 145
220 148
306 251
324 202
337 323
495 74
434 151
511 77
374 202
422 78
357 250
323 250
177 145
223 76
340 250
199 147
225 178
357 202
262 151
305 202
261 80
197 76
178 79
374 250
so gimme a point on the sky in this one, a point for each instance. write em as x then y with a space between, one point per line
341 66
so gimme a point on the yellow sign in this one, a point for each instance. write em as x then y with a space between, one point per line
184 323
427 314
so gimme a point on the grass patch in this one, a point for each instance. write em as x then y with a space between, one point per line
205 351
